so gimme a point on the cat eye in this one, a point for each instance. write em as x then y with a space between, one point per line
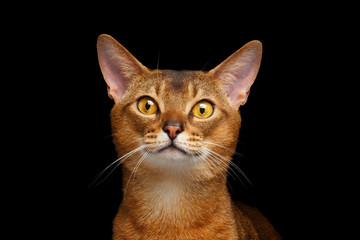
202 109
147 105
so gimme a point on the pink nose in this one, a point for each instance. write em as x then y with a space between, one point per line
173 130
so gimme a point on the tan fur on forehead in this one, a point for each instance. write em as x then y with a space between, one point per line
176 82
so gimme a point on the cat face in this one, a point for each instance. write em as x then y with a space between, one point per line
179 116
176 119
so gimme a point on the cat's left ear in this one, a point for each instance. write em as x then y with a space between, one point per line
118 66
238 72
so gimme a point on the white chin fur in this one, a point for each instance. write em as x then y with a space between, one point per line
171 157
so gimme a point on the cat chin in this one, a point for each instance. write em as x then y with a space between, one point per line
171 157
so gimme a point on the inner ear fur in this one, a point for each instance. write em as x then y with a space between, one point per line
117 65
238 72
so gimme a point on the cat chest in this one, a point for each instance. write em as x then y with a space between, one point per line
165 203
166 197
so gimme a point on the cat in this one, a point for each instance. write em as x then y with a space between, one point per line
175 133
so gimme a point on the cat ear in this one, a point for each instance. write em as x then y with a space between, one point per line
238 72
117 65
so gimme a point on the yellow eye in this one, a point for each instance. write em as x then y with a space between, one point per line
147 105
202 109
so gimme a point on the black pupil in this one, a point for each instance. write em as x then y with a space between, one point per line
202 110
147 106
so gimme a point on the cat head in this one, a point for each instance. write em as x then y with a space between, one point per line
177 119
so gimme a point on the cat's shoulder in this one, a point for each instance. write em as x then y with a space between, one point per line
251 222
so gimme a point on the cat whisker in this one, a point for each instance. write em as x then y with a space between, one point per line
106 137
210 160
193 156
137 140
140 161
219 163
118 162
203 68
158 61
135 169
236 139
232 164
226 148
230 171
223 163
206 160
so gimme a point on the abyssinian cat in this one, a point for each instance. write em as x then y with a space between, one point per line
175 133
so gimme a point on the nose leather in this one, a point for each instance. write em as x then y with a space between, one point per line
173 129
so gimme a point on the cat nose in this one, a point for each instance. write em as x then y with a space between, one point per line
173 129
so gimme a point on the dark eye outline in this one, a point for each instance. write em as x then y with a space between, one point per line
203 100
150 98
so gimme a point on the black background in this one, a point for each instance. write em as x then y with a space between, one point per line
281 136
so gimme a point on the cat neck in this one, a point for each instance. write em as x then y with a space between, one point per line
174 199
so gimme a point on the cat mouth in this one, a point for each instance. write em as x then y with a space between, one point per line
172 148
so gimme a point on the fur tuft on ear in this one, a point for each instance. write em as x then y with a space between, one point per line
238 72
117 65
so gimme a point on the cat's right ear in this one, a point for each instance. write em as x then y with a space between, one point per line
238 72
117 65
